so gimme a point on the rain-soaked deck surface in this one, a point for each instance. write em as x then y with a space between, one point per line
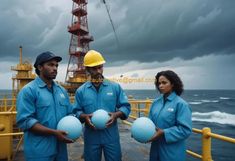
131 149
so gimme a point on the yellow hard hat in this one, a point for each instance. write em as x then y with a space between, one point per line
93 58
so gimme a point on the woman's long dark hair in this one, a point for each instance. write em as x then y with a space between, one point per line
173 78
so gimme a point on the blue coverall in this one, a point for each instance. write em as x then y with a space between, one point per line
174 117
37 104
111 98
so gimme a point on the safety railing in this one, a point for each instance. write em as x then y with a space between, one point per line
141 108
138 107
7 135
7 104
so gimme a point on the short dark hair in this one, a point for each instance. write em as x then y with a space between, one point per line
173 78
36 69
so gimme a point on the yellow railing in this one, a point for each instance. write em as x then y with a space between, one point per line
7 104
7 121
137 111
138 107
206 141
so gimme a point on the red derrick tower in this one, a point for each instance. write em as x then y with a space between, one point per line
79 44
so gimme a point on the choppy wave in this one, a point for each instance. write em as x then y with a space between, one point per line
214 116
208 101
198 102
224 98
195 103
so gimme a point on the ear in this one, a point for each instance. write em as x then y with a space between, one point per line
40 67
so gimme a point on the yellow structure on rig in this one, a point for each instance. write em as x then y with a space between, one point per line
24 74
8 108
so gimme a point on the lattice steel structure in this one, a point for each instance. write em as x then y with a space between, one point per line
79 43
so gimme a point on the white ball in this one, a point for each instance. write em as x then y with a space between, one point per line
143 129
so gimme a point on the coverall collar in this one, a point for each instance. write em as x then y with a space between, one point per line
42 84
170 97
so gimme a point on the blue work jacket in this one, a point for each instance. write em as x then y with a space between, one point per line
111 98
175 118
37 104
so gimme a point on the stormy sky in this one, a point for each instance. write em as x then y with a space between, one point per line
195 38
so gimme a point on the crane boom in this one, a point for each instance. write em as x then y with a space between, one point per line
111 21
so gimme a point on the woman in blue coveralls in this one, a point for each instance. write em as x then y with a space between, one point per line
172 117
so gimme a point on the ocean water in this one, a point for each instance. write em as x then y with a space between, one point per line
5 93
210 108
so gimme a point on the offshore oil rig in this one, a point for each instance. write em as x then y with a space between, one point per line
79 45
11 137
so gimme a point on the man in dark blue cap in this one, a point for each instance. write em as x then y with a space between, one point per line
40 106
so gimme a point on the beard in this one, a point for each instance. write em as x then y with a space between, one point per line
50 75
98 78
53 77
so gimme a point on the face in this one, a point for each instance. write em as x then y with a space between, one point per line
49 69
164 85
96 72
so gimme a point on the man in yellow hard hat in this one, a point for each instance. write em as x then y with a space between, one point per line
100 93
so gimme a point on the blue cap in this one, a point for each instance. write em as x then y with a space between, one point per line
44 57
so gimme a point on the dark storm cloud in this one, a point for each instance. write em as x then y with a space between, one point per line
161 30
148 30
29 23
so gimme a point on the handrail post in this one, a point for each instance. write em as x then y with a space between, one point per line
206 144
5 103
138 105
147 107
